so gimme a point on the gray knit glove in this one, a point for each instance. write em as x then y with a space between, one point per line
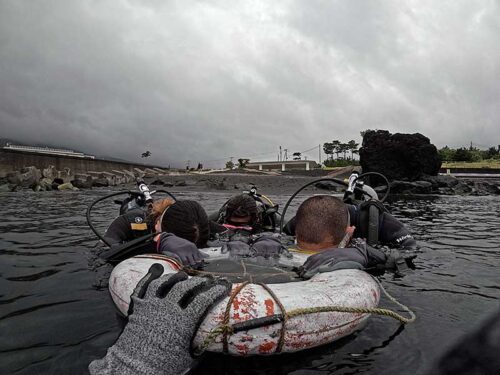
157 338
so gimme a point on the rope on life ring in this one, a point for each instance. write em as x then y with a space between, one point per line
226 329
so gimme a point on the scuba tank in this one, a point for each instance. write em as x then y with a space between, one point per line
141 200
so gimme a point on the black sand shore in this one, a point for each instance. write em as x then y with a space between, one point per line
266 184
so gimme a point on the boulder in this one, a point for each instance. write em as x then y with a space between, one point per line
5 188
403 157
148 172
82 181
408 187
122 177
442 181
27 177
45 184
57 181
103 176
65 174
157 182
66 186
130 174
13 178
50 172
110 177
139 173
100 182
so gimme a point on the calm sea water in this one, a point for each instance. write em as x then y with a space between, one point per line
55 317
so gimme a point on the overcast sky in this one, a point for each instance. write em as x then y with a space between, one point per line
207 80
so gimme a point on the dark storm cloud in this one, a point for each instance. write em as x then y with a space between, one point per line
203 80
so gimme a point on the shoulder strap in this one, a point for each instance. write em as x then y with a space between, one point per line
369 220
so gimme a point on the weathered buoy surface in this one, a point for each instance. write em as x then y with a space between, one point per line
342 288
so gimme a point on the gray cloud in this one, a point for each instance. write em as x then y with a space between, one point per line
205 80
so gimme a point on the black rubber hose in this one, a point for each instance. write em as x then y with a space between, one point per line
119 251
379 175
341 182
89 210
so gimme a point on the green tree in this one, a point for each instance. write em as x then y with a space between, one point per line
353 147
328 149
490 153
242 162
336 147
229 164
447 154
462 154
342 149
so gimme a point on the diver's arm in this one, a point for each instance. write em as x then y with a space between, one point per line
166 315
118 232
392 232
335 259
180 249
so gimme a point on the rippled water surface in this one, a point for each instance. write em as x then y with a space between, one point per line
54 317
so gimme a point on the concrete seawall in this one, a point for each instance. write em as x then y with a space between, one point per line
11 161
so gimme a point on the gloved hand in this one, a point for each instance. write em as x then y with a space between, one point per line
332 260
180 249
157 338
269 246
238 249
396 261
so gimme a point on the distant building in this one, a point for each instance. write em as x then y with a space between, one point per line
302 165
47 151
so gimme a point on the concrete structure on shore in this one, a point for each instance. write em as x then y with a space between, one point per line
26 167
303 165
47 151
15 160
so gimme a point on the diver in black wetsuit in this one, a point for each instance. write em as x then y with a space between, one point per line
246 212
136 223
391 232
185 220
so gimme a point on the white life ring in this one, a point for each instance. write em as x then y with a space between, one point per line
342 288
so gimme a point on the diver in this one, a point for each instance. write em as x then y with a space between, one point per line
250 212
182 228
391 232
136 222
323 229
151 344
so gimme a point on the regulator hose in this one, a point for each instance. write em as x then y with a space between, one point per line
89 210
388 184
129 192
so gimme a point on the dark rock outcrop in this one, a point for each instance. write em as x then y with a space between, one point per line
82 181
406 157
